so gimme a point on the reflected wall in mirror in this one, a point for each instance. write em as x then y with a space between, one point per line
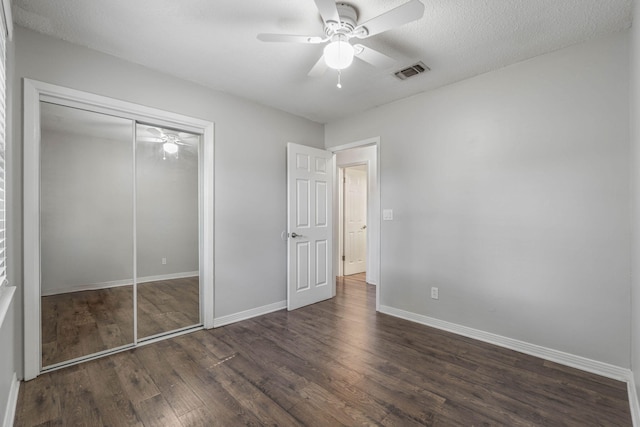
167 226
86 248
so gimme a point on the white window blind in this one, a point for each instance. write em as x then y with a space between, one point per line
3 117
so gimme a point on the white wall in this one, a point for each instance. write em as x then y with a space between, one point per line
250 152
167 211
8 361
86 211
511 193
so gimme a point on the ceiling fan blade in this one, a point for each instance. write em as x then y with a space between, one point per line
373 57
290 38
148 139
319 68
403 14
328 11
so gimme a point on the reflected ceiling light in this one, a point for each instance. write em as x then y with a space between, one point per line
170 147
339 53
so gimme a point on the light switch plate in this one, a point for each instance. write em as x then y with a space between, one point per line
387 214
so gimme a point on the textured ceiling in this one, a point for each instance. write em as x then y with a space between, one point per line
214 42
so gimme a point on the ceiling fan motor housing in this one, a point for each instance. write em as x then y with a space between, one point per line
348 20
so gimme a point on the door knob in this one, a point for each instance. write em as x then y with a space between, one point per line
363 227
294 235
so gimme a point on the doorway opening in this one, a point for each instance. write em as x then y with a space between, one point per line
357 213
352 218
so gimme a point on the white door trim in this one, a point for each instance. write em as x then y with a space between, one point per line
374 220
34 92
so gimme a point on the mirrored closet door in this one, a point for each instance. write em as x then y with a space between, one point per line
166 230
86 229
119 233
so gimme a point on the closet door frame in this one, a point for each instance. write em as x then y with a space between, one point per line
35 91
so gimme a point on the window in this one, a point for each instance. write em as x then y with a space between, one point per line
3 199
6 292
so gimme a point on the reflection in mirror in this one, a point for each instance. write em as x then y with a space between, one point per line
86 249
168 285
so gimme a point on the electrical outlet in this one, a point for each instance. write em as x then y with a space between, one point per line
434 293
164 261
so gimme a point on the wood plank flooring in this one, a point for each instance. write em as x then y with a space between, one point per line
166 305
334 363
77 324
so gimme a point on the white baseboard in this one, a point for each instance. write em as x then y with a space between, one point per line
578 362
116 283
248 314
181 275
12 401
633 401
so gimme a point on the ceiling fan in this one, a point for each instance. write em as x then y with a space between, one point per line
170 140
341 25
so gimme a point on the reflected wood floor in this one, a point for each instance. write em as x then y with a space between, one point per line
77 324
337 362
166 305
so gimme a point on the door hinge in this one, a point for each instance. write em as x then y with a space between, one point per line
344 179
343 257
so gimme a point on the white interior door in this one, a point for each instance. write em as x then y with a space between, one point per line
309 225
355 220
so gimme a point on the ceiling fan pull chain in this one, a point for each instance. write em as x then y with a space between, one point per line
339 85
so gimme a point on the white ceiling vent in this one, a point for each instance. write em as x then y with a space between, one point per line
411 71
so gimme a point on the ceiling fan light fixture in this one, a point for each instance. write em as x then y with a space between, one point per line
339 53
170 147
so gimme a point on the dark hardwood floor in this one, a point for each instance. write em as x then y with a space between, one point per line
78 324
167 305
337 362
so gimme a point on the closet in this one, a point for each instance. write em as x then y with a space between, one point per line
122 239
